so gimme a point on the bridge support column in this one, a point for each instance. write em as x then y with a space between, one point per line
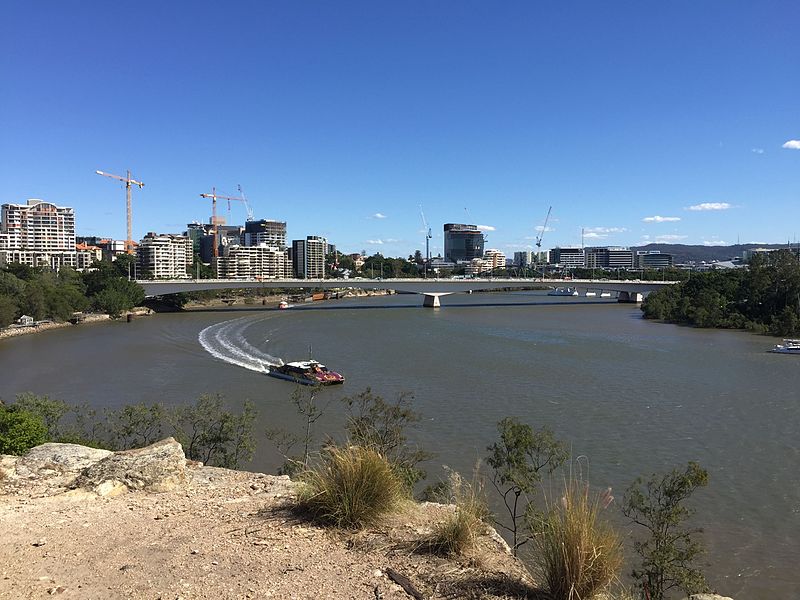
431 300
631 297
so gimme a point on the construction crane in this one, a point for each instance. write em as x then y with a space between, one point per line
214 197
540 236
128 182
428 236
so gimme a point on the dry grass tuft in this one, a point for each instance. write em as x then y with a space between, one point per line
577 553
458 534
352 487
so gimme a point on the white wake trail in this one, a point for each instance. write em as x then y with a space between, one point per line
226 342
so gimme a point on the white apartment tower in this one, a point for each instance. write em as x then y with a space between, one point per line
164 256
252 262
37 234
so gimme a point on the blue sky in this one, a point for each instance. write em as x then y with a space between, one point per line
636 121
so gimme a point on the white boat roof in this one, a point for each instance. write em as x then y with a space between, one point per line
305 364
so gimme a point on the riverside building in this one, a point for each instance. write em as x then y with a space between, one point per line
164 256
38 234
308 257
253 262
609 257
265 231
462 242
567 258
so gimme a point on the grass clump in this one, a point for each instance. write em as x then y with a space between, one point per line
458 534
577 552
352 487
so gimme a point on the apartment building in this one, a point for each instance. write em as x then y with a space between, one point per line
253 262
462 242
308 257
494 259
37 234
265 231
164 256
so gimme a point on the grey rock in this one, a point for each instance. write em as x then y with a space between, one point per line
156 468
60 464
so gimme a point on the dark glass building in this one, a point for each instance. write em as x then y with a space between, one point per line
462 242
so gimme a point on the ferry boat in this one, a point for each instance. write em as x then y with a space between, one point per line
590 294
306 372
787 347
563 291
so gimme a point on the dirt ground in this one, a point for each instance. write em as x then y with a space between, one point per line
228 534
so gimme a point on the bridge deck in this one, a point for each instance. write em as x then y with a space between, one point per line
417 286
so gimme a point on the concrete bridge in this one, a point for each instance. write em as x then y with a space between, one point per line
432 289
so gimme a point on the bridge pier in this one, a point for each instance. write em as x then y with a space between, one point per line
631 297
431 299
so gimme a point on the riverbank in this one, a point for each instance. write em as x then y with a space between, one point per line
274 300
20 330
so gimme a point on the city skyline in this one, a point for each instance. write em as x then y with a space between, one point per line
638 124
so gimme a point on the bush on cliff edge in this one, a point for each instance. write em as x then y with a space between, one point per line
20 431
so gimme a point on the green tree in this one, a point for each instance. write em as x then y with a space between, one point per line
51 411
669 551
118 295
305 401
213 435
136 425
8 310
374 423
20 431
518 460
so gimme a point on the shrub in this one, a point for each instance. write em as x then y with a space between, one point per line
459 532
578 553
20 431
669 551
352 487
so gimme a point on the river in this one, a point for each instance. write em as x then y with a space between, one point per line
633 396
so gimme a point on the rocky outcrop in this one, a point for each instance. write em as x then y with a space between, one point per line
54 468
156 468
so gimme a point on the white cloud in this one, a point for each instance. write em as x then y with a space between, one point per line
588 230
669 237
519 246
486 228
710 206
715 243
374 242
792 145
593 235
660 219
542 228
757 150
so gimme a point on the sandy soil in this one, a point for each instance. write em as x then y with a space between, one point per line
227 534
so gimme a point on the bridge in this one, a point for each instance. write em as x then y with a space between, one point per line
432 289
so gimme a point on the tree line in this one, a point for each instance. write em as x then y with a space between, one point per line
43 293
763 297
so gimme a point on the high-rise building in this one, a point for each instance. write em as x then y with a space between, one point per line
252 262
462 242
609 258
265 231
308 257
523 259
164 256
567 258
38 233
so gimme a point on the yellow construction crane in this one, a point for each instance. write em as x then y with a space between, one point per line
214 197
128 182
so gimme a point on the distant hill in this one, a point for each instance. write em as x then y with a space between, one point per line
683 253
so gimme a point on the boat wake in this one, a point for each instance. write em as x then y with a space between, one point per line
226 341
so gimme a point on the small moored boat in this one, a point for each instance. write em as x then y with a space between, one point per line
787 347
306 372
563 291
